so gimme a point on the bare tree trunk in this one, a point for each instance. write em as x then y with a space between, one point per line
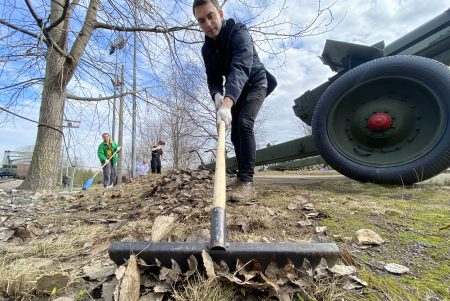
176 141
59 70
43 169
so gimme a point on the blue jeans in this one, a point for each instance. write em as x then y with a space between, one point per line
109 174
243 114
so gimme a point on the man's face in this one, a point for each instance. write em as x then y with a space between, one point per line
209 19
105 138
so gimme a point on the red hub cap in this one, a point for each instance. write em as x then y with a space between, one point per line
379 122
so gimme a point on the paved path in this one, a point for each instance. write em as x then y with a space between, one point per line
297 179
10 184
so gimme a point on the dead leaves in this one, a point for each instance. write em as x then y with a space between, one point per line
48 283
156 281
130 282
162 228
6 233
185 185
98 271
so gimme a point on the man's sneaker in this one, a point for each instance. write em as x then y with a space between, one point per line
242 193
234 184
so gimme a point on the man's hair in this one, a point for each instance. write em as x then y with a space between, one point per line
202 2
106 134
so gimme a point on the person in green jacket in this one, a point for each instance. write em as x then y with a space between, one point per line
106 150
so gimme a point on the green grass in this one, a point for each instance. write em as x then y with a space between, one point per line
409 220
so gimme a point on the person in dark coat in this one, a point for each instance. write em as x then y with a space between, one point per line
229 52
65 181
157 155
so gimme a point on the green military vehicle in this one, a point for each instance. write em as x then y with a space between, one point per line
384 117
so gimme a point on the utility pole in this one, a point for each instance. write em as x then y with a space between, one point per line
133 134
114 102
119 165
71 124
118 43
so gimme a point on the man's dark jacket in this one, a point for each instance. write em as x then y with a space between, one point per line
234 56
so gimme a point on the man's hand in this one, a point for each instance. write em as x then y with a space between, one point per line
218 100
224 114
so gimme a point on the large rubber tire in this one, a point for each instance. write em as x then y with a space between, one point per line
415 92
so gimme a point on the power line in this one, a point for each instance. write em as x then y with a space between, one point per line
42 124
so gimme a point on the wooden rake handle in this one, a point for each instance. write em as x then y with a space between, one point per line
218 230
220 175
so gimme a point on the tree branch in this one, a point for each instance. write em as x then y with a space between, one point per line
26 82
156 29
75 97
48 42
19 29
33 13
85 33
60 19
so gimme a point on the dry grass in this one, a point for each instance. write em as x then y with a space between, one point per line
328 290
20 268
202 289
19 276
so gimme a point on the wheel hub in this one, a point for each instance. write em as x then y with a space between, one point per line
379 122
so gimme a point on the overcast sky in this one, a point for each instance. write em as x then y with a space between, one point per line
363 22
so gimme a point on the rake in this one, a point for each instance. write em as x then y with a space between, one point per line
218 248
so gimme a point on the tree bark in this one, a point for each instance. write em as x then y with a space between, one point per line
43 170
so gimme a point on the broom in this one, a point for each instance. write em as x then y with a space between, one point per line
91 180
